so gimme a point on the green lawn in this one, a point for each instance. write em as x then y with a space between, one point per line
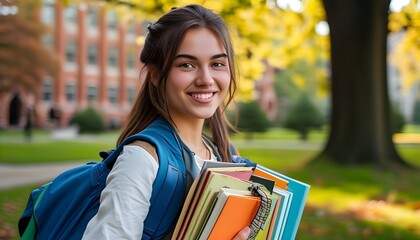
285 134
56 151
343 203
412 128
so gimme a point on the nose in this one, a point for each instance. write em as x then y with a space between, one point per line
204 77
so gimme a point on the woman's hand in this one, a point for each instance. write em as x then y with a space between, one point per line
243 234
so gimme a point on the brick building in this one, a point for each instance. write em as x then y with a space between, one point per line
99 59
99 62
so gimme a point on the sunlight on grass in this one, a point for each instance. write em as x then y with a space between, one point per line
321 197
365 195
320 224
413 138
360 207
390 213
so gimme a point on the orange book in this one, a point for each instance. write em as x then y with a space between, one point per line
238 212
204 187
279 182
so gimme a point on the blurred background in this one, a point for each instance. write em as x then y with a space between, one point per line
329 93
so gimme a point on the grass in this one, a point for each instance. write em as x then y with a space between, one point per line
46 152
343 203
360 203
412 128
43 148
285 134
352 203
12 203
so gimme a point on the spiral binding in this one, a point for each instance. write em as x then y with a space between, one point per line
263 210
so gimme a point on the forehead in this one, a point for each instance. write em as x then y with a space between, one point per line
201 41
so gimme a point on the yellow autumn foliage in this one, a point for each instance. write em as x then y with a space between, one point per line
406 56
299 80
261 31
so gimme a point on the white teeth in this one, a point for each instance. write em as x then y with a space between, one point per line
202 95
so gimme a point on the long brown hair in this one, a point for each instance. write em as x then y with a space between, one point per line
160 48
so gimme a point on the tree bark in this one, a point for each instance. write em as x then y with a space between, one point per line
360 128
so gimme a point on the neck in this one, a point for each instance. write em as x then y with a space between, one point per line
191 134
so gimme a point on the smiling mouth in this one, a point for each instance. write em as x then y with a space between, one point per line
202 95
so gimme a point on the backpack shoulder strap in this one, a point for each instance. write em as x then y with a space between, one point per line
169 187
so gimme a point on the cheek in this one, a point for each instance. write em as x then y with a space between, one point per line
177 80
224 81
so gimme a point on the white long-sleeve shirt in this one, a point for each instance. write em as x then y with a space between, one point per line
125 201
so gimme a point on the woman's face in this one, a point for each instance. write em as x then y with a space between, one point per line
199 78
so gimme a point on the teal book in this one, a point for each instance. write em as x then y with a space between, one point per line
281 214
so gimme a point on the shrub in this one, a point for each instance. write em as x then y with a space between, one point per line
89 121
397 119
252 119
303 116
416 112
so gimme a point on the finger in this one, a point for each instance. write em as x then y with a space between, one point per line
243 234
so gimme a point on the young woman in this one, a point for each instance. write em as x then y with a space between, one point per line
190 78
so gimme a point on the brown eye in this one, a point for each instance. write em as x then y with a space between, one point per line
186 65
218 64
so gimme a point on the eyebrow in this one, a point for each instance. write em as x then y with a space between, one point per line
195 58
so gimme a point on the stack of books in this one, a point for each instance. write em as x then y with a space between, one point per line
226 197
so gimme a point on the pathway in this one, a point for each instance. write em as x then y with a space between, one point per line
12 176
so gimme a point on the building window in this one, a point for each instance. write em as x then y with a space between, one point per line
92 54
71 51
70 92
131 29
92 93
48 41
111 20
131 59
113 57
70 16
47 90
113 95
92 18
131 95
48 13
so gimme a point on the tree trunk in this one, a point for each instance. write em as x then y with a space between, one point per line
304 134
360 129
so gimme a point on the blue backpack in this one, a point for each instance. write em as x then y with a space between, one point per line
62 208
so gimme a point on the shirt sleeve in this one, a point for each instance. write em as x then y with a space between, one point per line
125 201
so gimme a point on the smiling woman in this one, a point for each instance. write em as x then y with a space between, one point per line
189 66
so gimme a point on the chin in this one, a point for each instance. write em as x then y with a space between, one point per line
205 116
